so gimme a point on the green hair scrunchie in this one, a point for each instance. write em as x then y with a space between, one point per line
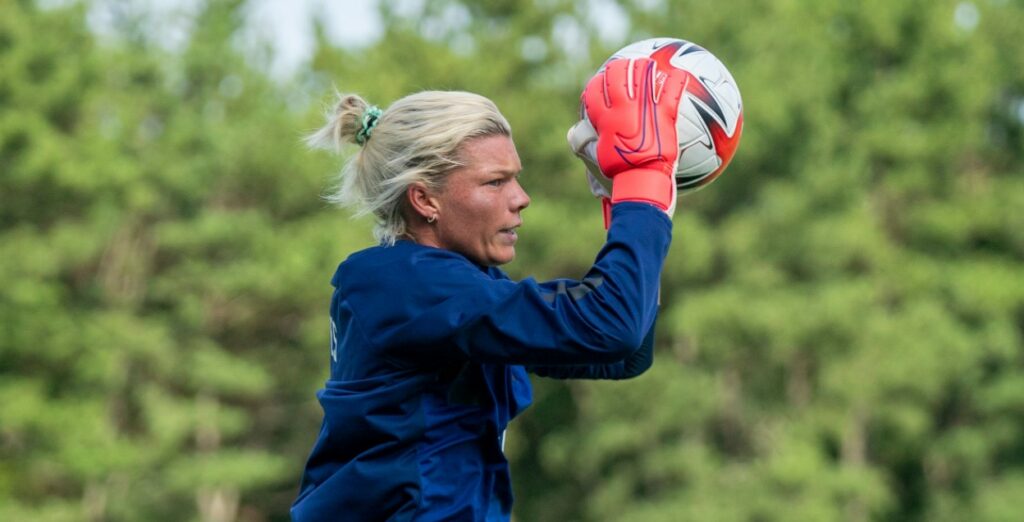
370 118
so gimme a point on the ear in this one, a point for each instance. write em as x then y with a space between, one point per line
422 201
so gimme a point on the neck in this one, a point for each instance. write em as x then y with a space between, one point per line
423 234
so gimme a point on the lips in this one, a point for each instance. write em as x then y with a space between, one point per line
511 231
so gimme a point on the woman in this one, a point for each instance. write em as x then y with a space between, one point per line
431 342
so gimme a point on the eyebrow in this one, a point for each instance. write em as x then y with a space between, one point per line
505 172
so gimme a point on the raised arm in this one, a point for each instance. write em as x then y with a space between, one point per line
634 365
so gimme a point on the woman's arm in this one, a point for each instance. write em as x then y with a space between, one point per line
454 307
632 366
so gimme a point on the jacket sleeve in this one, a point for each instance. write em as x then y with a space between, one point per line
634 365
601 319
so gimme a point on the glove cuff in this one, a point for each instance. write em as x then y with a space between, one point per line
646 185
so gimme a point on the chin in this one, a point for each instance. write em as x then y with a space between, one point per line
502 257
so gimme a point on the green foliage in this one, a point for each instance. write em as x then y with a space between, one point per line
842 325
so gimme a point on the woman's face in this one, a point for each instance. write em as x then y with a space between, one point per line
479 206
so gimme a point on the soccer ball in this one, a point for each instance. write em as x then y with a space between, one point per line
710 114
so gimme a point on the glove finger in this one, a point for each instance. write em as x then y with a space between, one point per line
598 188
640 79
593 98
580 135
619 81
582 140
671 90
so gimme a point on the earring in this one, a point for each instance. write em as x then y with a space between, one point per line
432 219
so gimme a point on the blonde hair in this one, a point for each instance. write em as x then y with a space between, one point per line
417 139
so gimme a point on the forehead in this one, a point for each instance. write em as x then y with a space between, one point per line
490 154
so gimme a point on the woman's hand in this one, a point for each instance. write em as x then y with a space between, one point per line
632 106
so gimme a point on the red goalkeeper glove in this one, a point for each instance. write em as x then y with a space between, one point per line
630 111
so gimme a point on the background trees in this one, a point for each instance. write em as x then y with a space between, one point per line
841 335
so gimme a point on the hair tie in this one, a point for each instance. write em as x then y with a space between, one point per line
370 118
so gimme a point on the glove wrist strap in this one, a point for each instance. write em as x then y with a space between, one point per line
606 209
646 185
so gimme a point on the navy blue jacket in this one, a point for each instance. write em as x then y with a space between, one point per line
429 354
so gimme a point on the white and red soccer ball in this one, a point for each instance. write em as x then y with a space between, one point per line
710 113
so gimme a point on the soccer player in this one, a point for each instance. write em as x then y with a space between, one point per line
430 341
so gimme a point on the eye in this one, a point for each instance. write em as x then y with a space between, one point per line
496 182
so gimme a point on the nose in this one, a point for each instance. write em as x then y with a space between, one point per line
520 199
